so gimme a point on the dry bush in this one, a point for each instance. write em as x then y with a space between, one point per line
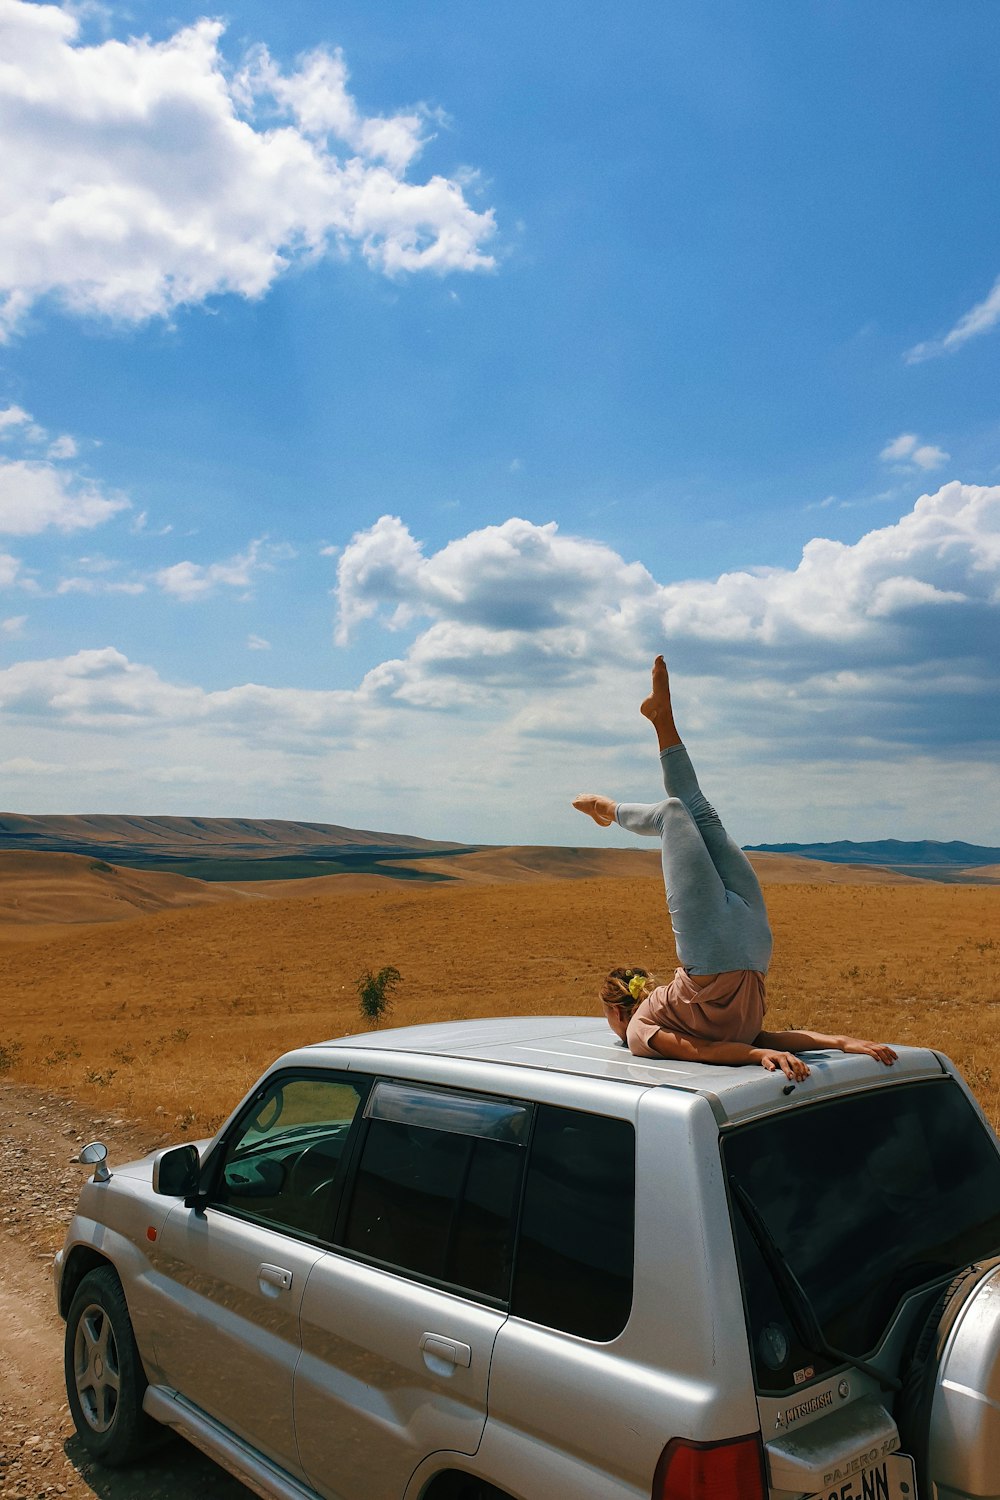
168 1018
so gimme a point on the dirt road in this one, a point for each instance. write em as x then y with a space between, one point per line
39 1452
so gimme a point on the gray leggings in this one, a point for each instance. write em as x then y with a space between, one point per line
714 898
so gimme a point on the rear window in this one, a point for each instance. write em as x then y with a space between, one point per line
866 1198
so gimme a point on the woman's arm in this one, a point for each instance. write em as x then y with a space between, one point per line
796 1040
730 1054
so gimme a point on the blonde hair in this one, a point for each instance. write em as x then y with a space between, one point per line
626 986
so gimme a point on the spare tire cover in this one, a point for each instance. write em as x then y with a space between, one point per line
963 1441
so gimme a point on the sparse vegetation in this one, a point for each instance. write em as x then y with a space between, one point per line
375 993
916 964
9 1054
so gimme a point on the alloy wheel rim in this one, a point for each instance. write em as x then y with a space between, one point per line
96 1369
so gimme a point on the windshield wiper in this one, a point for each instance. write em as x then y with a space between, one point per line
808 1329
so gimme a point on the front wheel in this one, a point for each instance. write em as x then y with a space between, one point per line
105 1382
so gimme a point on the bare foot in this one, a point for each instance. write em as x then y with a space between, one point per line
658 709
601 809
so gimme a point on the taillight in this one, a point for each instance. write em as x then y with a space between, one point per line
731 1470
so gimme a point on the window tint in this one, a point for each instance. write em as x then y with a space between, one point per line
574 1258
434 1200
281 1165
866 1198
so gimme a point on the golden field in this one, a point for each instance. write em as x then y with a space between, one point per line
166 1017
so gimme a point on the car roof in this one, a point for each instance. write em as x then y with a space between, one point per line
585 1046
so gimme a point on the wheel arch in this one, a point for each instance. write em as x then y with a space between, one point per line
80 1261
459 1484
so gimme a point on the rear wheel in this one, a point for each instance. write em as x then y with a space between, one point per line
105 1382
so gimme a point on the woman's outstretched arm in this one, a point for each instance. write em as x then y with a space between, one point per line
797 1040
729 1054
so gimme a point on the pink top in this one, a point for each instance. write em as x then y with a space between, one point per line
728 1009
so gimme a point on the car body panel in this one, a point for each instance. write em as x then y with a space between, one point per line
350 1381
376 1389
225 1330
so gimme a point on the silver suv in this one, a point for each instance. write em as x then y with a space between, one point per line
506 1259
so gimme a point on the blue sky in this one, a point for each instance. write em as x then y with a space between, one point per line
382 386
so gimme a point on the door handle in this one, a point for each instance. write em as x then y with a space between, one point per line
435 1347
274 1276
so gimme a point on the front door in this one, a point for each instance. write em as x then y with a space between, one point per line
230 1276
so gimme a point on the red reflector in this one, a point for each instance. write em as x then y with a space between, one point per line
151 1233
731 1470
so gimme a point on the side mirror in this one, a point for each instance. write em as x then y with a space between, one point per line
176 1171
95 1155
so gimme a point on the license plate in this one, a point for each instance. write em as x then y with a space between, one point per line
892 1478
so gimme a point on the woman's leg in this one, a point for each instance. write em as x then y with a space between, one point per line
696 897
679 780
716 905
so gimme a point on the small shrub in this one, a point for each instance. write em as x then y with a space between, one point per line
375 993
93 1075
9 1054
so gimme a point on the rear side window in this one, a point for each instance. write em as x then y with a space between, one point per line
437 1186
864 1199
575 1255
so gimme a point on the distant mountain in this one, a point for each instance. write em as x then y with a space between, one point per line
220 848
927 857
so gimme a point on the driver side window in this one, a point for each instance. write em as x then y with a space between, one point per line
282 1165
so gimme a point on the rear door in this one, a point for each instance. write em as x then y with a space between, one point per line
853 1211
398 1324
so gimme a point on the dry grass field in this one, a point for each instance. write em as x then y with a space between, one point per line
168 1016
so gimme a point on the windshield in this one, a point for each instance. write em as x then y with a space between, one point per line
866 1198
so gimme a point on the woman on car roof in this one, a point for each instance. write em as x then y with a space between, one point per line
713 1008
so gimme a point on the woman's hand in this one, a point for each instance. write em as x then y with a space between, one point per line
773 1059
878 1050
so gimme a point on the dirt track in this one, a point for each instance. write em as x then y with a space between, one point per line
39 1453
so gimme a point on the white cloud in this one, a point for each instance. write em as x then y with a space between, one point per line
189 581
908 450
91 585
519 657
142 176
979 319
257 643
35 495
13 628
518 618
13 416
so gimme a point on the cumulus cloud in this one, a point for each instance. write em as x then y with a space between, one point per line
907 450
979 319
144 176
35 495
13 416
102 688
519 618
38 493
190 581
13 627
519 655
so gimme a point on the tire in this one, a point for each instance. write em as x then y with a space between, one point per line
105 1381
913 1409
